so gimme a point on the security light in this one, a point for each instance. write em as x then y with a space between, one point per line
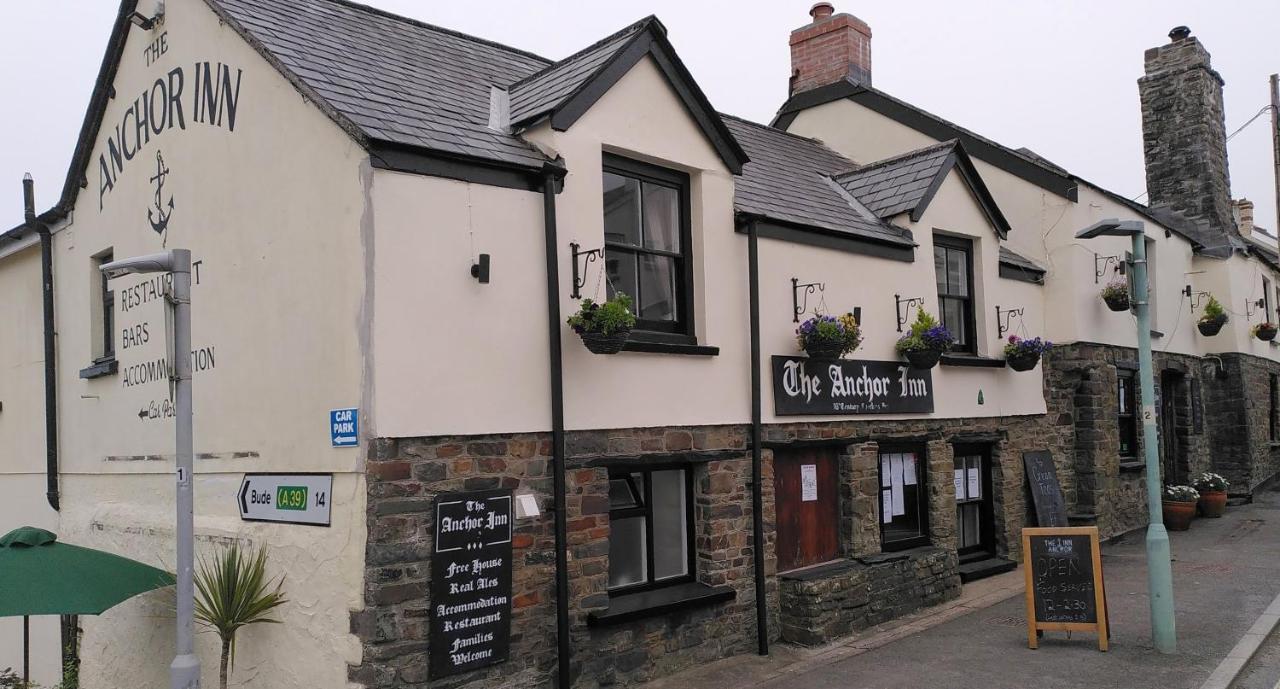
142 21
151 263
1111 227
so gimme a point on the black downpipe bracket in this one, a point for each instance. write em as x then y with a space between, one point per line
50 364
557 429
757 498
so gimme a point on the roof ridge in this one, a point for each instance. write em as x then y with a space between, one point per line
633 27
949 143
434 27
774 130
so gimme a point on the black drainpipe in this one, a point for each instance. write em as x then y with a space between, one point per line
557 426
757 499
50 365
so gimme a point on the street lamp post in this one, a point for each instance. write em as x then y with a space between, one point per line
1159 570
184 672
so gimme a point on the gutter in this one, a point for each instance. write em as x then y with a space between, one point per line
757 499
50 365
549 180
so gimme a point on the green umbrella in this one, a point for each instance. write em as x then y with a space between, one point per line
39 576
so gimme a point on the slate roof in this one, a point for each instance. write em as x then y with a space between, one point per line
898 184
1016 260
392 79
538 93
789 179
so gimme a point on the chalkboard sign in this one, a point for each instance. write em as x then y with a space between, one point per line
1046 493
470 582
1064 582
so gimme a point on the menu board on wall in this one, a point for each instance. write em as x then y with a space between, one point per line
1046 492
470 582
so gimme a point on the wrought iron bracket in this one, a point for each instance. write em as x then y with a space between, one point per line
580 276
1100 264
1195 297
903 307
1004 320
1251 307
799 306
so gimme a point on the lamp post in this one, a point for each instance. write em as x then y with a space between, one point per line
184 672
1159 570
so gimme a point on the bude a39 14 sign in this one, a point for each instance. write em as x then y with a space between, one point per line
470 582
847 387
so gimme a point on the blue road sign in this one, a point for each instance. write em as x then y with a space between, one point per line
344 427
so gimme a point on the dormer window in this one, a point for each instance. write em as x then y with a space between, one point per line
648 245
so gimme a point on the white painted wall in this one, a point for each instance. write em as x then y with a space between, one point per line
22 446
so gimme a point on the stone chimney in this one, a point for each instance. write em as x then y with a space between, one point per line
1184 133
829 49
1244 217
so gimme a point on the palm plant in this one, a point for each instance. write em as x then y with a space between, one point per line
233 591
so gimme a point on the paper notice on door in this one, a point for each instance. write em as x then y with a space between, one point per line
895 475
884 471
908 470
886 507
975 484
959 484
808 482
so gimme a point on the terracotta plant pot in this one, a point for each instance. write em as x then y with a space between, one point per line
599 343
1117 303
824 350
1213 503
1266 334
1211 328
1023 362
1178 515
923 358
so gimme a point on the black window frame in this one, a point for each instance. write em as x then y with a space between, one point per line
681 330
1266 300
646 510
1127 420
108 306
966 245
922 492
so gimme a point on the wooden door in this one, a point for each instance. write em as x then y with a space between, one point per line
807 499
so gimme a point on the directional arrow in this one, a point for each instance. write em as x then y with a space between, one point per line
244 493
143 414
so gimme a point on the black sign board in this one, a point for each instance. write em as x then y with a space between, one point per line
1064 582
828 387
470 582
1046 493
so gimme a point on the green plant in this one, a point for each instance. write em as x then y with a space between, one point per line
1211 482
1180 494
843 332
1018 346
233 591
612 316
925 334
1213 311
1116 289
1261 327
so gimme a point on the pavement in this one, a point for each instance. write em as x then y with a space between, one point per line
1226 575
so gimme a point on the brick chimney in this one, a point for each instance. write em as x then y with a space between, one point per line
1184 133
829 49
1244 217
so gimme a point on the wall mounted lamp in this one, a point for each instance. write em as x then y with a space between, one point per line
480 269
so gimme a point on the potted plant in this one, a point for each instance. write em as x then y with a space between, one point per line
1213 319
926 342
1179 507
604 328
1116 294
1213 494
829 337
1023 354
1264 331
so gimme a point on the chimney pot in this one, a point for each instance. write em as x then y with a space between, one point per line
1244 217
1179 33
821 10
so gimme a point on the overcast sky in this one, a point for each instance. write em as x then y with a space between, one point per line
1056 77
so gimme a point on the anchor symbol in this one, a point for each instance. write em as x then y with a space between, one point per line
160 220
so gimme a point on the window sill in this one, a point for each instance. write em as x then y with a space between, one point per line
1156 334
971 360
104 367
669 348
1132 466
634 606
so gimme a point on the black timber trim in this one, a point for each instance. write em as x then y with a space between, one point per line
971 361
931 125
98 369
670 348
388 156
980 191
652 41
686 458
826 239
1013 271
660 601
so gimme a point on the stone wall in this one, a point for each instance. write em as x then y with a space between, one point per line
406 475
1239 406
824 603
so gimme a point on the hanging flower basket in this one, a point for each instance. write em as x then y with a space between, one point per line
1023 362
1116 295
604 328
829 337
824 350
1265 331
923 359
1213 319
1023 354
924 345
